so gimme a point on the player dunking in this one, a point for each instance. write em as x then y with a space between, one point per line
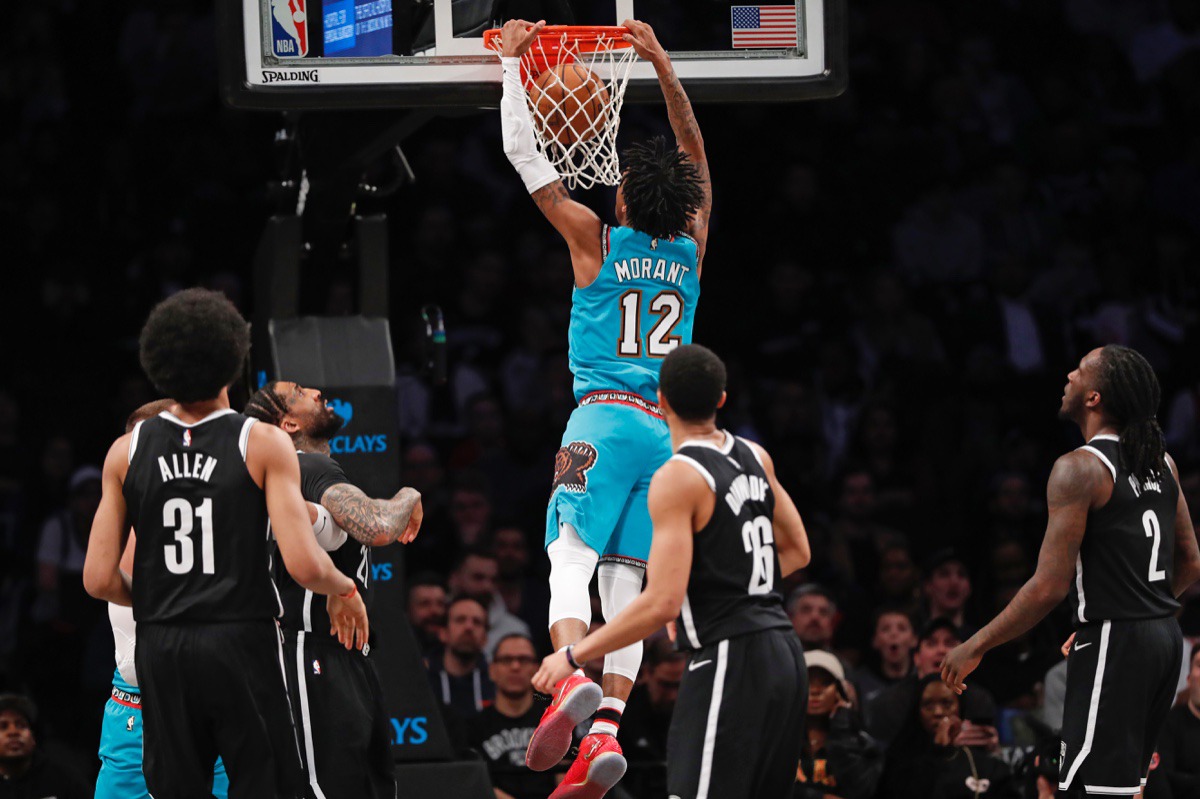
725 531
1120 544
636 288
199 486
344 729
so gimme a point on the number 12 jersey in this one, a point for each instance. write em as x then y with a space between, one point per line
201 522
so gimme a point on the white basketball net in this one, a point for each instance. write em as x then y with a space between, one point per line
585 153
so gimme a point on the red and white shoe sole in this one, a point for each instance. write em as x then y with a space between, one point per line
605 772
552 740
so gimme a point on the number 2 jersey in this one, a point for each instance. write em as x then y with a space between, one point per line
639 308
735 567
302 610
1127 559
203 549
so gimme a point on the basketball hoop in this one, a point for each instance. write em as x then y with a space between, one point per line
575 126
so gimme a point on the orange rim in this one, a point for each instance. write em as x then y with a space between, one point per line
587 38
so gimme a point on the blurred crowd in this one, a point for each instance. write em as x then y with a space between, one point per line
899 280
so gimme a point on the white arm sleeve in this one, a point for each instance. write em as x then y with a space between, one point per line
124 637
517 126
329 535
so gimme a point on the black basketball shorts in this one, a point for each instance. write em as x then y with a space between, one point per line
738 726
1121 678
216 689
345 735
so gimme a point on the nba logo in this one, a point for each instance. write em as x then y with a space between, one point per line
129 724
289 28
187 438
317 667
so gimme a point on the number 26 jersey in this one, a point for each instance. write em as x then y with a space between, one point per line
733 588
201 522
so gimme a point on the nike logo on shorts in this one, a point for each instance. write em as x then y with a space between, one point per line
1079 646
698 664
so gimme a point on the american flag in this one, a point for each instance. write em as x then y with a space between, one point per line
764 26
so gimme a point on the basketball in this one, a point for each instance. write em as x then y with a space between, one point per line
571 103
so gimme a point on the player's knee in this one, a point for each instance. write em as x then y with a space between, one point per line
619 584
572 563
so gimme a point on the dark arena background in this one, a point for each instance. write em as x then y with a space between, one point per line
899 279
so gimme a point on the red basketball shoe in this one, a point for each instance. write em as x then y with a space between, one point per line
597 768
575 699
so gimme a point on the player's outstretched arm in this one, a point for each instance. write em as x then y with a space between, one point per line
271 456
681 115
374 522
1070 493
575 222
1187 554
791 539
102 575
675 495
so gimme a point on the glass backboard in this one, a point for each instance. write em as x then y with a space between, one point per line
309 54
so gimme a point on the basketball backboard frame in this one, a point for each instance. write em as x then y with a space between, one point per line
464 74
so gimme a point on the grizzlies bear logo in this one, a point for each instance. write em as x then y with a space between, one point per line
571 466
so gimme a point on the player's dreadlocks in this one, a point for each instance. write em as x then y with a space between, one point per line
267 405
662 188
1130 393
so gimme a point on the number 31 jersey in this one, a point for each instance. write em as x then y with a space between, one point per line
201 523
639 308
1127 558
733 586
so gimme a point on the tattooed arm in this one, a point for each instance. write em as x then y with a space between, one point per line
374 522
577 224
683 119
1075 485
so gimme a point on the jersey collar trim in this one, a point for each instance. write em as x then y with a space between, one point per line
724 449
1104 437
170 417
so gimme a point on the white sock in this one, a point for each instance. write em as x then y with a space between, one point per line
608 717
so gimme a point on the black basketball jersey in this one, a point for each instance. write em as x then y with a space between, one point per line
1127 558
732 586
201 521
302 611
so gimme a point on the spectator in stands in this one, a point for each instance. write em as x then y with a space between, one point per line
814 614
928 762
885 715
470 509
1179 743
838 759
899 582
475 575
946 587
427 610
460 675
647 717
500 733
526 598
64 614
890 660
857 538
25 770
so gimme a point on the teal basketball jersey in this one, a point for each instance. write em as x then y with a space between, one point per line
640 307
